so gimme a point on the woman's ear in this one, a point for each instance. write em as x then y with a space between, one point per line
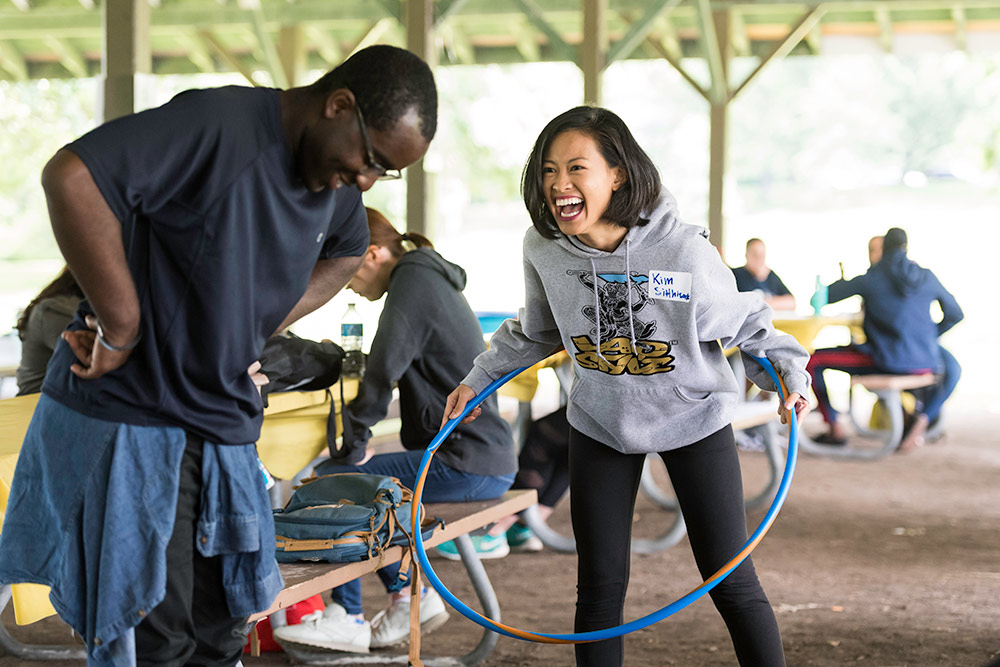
620 179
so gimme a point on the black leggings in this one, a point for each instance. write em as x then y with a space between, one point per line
543 464
706 479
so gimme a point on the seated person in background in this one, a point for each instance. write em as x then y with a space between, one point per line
426 340
931 399
40 326
543 465
755 275
900 335
874 250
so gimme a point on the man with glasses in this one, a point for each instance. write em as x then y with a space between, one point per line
196 230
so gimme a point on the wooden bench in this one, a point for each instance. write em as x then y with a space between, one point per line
303 580
754 416
888 390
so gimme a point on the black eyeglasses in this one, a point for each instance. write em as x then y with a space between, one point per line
373 170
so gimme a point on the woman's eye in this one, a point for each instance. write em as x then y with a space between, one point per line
548 170
576 167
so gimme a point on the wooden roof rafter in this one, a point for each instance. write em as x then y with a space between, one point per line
60 38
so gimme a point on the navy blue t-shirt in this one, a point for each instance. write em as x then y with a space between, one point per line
770 286
221 239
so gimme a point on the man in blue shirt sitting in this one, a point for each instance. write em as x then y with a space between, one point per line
196 230
757 276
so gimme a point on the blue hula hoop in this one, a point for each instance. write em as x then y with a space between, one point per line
631 626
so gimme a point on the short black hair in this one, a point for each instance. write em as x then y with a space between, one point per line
752 241
894 238
618 147
387 82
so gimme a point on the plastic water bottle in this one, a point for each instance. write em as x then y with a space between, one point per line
351 339
268 479
820 297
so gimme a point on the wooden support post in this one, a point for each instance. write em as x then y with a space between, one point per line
594 51
719 122
126 53
420 40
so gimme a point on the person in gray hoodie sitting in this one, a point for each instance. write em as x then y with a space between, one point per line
641 302
427 338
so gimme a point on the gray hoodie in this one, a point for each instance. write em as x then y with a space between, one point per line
643 325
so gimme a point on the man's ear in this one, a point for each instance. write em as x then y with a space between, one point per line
341 99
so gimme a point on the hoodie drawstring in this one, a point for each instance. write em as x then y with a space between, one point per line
597 309
628 287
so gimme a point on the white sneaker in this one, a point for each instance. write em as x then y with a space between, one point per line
392 626
332 629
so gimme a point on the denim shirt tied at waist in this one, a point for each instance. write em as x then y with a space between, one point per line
92 508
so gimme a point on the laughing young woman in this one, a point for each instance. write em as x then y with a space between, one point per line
641 302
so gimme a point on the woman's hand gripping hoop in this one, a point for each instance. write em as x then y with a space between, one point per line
631 626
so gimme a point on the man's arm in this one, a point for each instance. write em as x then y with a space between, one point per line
950 310
780 301
328 277
90 238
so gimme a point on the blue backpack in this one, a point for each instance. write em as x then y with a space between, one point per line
345 517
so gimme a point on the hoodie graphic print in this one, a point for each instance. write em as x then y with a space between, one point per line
620 300
645 326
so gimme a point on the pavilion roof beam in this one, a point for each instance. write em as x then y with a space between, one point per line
556 42
446 8
640 29
267 46
292 53
961 27
393 8
666 34
740 39
197 51
13 61
457 41
713 53
373 33
884 20
69 56
326 45
783 48
673 58
527 43
814 38
228 56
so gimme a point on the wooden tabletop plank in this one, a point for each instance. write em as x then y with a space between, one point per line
303 579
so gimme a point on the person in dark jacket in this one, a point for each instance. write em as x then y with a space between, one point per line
427 338
900 335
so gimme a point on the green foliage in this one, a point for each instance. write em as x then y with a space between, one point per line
37 117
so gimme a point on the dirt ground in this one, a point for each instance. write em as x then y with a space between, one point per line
892 563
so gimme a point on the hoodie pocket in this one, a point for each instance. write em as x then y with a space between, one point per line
695 398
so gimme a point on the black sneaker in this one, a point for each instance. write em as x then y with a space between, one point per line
830 439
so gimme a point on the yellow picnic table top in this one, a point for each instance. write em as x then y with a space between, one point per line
805 328
31 601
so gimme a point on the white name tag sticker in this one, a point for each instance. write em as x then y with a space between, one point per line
670 285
